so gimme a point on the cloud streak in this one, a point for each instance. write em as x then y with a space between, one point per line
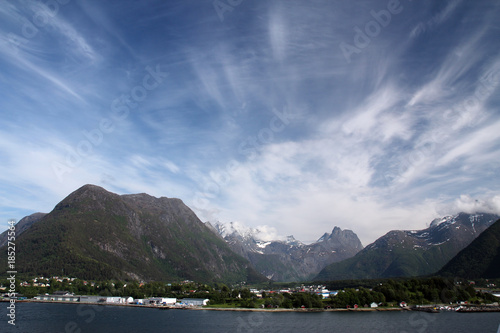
404 133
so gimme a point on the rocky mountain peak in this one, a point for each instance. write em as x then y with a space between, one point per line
87 197
323 238
444 220
90 190
339 238
412 252
290 240
286 258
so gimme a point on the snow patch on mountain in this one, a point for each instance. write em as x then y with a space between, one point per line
444 220
323 238
290 240
262 233
263 245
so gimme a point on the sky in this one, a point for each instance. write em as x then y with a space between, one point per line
295 116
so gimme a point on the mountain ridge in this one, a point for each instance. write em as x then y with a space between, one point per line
96 234
21 226
288 259
113 223
480 259
411 252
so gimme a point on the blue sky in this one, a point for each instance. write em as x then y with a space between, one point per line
296 115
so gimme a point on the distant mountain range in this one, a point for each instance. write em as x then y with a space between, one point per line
289 259
95 234
411 253
481 259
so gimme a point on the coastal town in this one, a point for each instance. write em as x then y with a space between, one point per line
190 295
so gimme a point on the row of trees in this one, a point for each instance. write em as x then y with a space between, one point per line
114 288
431 290
412 291
246 299
351 296
387 292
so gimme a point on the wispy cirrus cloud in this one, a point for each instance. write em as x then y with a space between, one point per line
390 140
437 19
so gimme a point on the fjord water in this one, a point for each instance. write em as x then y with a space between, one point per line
42 317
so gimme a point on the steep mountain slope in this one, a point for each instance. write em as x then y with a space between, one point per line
95 234
411 253
481 259
24 224
289 259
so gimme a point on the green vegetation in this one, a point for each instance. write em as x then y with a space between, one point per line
97 235
386 292
245 299
412 291
423 253
116 288
380 263
480 259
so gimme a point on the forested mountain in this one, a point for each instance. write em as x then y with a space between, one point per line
411 253
96 234
481 259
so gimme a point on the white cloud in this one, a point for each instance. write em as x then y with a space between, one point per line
278 35
448 81
262 232
382 143
475 144
466 203
378 117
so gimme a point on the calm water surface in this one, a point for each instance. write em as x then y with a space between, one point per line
53 318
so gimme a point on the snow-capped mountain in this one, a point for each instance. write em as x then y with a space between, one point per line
238 229
412 252
285 258
461 229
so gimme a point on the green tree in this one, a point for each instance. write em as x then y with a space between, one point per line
246 293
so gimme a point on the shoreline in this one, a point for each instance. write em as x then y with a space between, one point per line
304 310
467 309
201 308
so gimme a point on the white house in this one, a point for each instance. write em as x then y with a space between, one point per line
162 301
115 299
374 305
193 301
106 299
68 297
